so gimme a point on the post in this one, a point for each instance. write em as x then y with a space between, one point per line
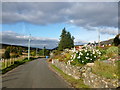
29 48
99 38
36 52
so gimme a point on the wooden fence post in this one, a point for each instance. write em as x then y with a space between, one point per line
5 63
13 60
10 61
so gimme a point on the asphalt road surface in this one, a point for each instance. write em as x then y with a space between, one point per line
34 74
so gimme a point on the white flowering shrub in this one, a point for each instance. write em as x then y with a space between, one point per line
86 55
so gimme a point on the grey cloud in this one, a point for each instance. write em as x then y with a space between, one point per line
104 30
82 14
88 15
10 37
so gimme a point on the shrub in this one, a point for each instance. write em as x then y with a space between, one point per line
86 55
105 69
6 54
112 51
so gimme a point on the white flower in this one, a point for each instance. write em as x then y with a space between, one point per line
78 57
87 54
93 52
82 61
85 50
100 53
87 57
71 60
94 56
91 59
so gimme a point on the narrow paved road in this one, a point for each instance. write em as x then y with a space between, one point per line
34 74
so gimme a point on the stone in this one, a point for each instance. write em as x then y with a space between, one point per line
90 64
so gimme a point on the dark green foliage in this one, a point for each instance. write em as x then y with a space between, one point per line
44 52
66 40
14 51
117 40
33 53
6 54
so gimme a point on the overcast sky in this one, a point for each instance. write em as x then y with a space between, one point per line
45 20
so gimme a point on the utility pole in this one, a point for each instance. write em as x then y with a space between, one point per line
43 51
36 51
98 37
29 48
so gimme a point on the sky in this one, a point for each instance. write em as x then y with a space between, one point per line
45 21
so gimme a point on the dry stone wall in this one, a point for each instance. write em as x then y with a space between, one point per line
86 74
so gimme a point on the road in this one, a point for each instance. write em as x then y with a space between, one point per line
34 74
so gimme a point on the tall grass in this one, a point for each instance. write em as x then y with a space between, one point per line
107 70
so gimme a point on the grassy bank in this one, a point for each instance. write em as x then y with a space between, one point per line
106 70
16 63
76 83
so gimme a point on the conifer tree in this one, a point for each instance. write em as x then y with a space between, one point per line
66 40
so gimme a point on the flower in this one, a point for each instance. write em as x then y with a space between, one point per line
82 61
78 57
87 54
85 50
87 57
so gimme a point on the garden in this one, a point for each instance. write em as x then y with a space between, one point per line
105 59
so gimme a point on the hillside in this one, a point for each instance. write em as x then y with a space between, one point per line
110 41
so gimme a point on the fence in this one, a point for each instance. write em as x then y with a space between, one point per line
8 62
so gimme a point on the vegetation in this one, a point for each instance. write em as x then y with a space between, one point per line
74 82
33 53
16 63
44 52
110 52
86 55
13 51
66 40
105 69
6 54
117 40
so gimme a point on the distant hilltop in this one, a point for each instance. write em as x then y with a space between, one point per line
107 42
4 46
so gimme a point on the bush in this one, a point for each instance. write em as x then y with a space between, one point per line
105 69
112 51
86 55
14 55
6 54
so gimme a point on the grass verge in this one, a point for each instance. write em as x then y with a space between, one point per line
76 83
16 63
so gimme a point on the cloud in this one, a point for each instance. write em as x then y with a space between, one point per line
80 42
104 30
81 14
10 37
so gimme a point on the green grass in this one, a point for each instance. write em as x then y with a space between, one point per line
106 70
76 83
16 63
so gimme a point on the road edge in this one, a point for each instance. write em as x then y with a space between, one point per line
57 73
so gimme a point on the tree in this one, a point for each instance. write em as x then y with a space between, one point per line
66 40
117 40
44 52
33 53
7 54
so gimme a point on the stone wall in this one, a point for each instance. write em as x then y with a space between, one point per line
85 73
